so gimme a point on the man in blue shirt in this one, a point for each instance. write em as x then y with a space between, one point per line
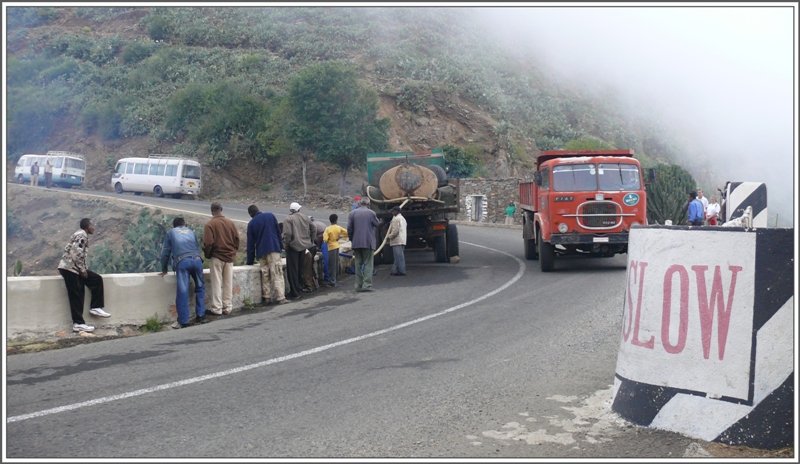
181 244
696 213
264 242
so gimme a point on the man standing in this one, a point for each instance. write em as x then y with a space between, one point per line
331 237
220 244
320 245
703 200
695 212
48 173
181 244
510 210
397 240
361 225
298 234
76 274
35 174
264 243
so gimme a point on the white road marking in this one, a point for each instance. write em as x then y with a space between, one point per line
319 349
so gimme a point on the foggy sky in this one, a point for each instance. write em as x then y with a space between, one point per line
721 76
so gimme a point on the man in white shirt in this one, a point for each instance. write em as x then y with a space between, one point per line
397 240
702 199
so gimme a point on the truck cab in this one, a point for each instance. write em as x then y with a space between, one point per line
581 202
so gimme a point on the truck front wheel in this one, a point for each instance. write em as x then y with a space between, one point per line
546 253
530 249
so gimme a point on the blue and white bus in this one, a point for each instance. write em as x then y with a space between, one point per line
69 169
157 174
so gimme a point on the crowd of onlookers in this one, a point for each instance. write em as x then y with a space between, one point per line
701 211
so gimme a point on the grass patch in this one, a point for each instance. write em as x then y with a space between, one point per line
152 324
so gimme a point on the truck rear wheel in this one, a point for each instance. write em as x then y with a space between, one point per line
452 240
546 253
440 249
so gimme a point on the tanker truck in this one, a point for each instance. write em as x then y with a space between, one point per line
418 184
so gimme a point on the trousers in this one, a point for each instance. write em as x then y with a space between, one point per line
76 291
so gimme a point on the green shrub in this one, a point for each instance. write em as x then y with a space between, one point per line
136 52
159 27
152 324
457 162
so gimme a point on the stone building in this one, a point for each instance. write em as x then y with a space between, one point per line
485 200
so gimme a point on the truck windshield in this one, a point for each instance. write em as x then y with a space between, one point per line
590 177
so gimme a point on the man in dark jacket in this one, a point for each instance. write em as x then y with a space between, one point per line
264 243
180 244
361 225
298 238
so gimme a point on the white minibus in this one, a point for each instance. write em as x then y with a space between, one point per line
157 174
69 169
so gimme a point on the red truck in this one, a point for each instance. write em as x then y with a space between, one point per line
581 202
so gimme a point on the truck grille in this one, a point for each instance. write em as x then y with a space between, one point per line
599 215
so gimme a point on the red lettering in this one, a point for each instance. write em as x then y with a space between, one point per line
627 318
706 307
667 309
635 341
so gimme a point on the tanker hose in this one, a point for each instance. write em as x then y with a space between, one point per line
398 200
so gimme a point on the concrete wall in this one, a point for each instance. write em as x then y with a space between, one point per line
38 306
707 340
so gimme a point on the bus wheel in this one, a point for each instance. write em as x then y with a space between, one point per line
158 192
19 179
177 196
118 187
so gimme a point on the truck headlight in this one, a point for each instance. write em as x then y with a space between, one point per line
563 228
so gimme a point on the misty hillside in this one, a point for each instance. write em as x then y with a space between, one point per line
106 81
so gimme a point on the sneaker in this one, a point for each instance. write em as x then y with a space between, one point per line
99 312
283 301
178 325
82 328
216 313
201 320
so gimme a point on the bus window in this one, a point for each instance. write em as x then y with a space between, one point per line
160 170
120 168
75 163
129 169
172 170
140 168
153 169
58 162
191 172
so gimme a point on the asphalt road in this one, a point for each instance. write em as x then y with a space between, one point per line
487 358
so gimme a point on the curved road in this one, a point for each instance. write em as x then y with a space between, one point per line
488 358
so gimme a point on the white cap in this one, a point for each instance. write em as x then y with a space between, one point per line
295 206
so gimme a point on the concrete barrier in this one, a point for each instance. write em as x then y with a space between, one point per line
37 306
707 339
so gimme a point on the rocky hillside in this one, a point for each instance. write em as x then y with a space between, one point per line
99 81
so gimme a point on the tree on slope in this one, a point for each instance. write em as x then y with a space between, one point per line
334 117
667 196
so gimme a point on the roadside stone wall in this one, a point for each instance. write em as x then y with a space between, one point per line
485 200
